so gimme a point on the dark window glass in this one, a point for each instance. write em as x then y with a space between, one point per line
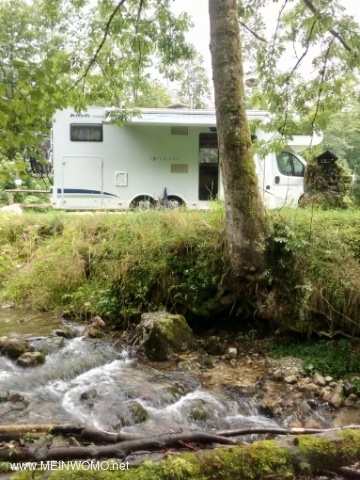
86 132
289 165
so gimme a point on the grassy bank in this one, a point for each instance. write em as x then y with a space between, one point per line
118 266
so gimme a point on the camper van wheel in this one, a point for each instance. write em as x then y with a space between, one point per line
174 202
143 204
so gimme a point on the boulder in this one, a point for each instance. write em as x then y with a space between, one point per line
89 394
319 380
162 334
4 395
131 413
214 346
96 328
31 359
337 396
15 348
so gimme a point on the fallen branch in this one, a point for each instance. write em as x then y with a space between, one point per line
17 432
286 457
37 453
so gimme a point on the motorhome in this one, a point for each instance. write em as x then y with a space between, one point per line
160 157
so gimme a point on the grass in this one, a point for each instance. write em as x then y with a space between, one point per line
339 359
118 266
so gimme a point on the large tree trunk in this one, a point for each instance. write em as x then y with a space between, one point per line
245 216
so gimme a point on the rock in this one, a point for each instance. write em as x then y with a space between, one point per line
92 393
15 348
161 334
309 388
214 346
351 400
337 396
328 379
199 413
96 328
98 321
290 379
208 362
348 388
15 397
31 359
319 380
231 353
66 333
93 331
59 441
131 412
3 341
4 395
277 376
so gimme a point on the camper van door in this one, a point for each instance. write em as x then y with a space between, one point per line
288 178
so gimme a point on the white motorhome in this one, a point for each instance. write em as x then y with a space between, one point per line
162 156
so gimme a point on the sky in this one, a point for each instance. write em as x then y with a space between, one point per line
200 34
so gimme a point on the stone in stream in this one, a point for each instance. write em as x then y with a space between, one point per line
31 359
131 413
15 348
96 328
89 394
4 395
161 334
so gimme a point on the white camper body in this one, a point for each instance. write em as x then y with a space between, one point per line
165 156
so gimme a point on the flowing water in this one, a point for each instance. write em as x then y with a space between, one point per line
96 383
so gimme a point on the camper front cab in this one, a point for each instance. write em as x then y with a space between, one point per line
163 156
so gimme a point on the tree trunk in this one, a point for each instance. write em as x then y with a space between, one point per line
245 216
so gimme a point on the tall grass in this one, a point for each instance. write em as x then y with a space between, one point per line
119 265
113 265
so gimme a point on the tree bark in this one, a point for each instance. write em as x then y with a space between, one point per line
245 216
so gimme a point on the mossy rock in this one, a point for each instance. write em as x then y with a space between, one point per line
132 412
15 348
163 334
199 413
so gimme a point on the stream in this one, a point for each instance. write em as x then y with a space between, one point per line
99 384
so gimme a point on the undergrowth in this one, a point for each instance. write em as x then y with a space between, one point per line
340 359
120 265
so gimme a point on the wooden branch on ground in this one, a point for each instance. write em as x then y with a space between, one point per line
36 453
285 457
17 432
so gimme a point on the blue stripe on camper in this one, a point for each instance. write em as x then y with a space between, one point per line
83 191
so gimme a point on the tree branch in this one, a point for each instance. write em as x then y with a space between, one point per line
335 34
106 33
252 32
321 83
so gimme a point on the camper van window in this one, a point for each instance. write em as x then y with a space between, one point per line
288 164
86 132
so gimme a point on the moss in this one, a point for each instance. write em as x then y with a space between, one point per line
169 333
252 462
199 413
323 453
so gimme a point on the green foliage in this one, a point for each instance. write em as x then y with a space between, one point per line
194 88
338 359
306 66
313 264
116 266
119 266
50 58
342 136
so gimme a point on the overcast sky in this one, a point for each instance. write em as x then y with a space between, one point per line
200 34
